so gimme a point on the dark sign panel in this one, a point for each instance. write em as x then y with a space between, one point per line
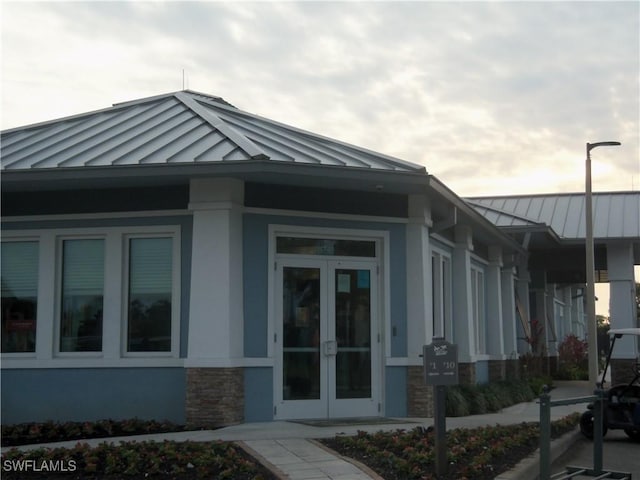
440 363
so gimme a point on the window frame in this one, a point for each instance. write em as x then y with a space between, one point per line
175 295
47 353
8 238
441 290
57 318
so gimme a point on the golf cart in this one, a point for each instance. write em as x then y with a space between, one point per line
621 402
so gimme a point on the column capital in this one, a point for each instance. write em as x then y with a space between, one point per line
495 255
419 209
463 235
215 192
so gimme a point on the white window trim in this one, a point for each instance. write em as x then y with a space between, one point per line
47 354
57 316
442 285
175 297
27 238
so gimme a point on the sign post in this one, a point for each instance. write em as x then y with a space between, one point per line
440 369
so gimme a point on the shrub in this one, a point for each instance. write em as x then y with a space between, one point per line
520 391
492 397
187 460
30 433
456 404
478 453
474 396
497 396
572 359
538 382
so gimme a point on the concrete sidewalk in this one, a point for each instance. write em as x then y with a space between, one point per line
288 447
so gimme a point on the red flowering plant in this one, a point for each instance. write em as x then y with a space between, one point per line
46 432
572 357
135 460
478 453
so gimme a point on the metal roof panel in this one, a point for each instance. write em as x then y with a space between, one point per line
616 214
181 127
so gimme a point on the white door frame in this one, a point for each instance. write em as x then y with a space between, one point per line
355 407
323 407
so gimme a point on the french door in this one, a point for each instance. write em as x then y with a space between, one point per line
327 341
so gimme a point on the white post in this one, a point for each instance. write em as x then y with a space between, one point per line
216 311
419 301
463 326
495 325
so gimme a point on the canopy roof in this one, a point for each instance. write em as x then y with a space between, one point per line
616 214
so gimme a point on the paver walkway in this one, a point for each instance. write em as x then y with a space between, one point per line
300 459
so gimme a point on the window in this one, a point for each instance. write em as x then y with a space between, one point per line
99 294
19 296
150 295
478 305
326 246
441 293
82 295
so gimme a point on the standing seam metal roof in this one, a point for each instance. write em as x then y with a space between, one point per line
616 214
182 127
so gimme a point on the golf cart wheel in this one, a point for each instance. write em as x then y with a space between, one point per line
633 433
586 425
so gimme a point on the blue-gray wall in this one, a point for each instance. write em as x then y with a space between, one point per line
396 391
91 394
258 394
255 276
85 394
258 405
482 371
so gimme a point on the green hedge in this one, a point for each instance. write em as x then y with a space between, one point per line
465 400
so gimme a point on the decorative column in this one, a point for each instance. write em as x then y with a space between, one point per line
509 321
419 304
495 325
215 392
622 308
522 290
464 330
539 323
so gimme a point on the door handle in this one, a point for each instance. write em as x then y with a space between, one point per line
330 348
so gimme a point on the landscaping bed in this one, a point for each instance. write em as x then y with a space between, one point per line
48 432
135 460
472 454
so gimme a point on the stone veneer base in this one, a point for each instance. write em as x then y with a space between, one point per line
215 397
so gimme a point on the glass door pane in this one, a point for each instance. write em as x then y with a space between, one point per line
301 333
353 333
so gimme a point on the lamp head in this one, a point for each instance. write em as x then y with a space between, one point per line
591 146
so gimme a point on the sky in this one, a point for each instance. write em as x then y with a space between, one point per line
493 98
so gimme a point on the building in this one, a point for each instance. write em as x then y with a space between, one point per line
177 258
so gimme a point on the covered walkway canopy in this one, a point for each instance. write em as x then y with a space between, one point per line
552 228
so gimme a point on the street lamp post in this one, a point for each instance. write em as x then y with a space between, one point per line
592 328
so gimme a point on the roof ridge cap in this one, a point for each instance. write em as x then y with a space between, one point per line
502 211
312 135
243 142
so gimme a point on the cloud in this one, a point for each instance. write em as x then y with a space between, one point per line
488 96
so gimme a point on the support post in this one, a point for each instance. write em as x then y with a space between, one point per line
440 426
545 434
598 419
